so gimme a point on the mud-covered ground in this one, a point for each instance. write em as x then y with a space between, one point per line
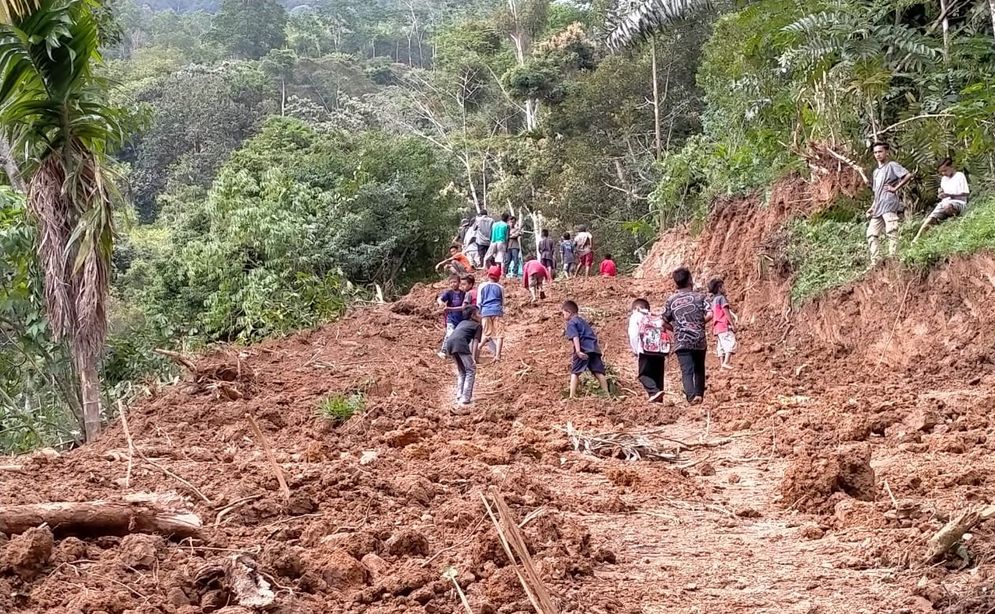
874 399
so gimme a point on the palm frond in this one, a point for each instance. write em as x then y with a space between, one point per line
11 10
634 21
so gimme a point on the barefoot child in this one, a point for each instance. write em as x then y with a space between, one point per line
723 322
585 349
535 277
651 344
464 348
490 300
547 252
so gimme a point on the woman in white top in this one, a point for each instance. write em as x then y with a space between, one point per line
954 193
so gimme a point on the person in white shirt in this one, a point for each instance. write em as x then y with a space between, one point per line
954 193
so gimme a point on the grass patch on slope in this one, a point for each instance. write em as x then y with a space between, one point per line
962 236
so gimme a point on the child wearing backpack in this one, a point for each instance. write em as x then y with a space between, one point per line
650 343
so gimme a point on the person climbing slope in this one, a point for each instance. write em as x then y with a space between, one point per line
567 255
463 346
513 262
484 226
724 322
650 342
686 313
535 277
586 352
584 242
547 253
608 268
490 300
452 301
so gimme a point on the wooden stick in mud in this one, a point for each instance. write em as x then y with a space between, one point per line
139 513
131 444
514 546
270 456
178 358
954 531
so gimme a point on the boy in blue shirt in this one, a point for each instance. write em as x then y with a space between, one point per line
452 301
490 300
586 350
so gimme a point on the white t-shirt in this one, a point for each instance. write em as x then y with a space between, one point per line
955 184
583 241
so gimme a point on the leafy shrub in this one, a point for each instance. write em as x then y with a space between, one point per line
827 250
339 408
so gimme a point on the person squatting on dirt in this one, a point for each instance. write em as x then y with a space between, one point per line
547 253
534 278
484 226
452 301
585 250
953 194
463 346
724 322
490 300
686 313
650 342
567 255
586 354
884 214
457 263
608 267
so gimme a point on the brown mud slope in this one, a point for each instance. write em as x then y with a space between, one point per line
786 510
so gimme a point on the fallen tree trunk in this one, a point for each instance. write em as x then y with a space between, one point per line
140 513
947 537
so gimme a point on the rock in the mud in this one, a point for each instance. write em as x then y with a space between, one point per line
814 476
340 570
358 544
408 543
416 488
923 419
403 437
177 598
377 566
27 554
141 551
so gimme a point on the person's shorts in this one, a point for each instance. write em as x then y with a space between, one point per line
947 209
549 264
536 282
594 364
586 259
493 326
500 251
726 343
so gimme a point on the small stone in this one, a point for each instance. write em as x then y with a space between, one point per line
375 564
28 553
403 437
734 479
342 571
408 542
176 597
367 457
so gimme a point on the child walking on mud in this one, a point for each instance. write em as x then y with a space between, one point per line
686 313
724 322
650 342
464 348
535 276
567 255
490 301
585 349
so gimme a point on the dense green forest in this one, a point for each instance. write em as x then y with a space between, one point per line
270 163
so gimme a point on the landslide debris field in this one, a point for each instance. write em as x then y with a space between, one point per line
810 480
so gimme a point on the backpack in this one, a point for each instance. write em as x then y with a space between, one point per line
652 335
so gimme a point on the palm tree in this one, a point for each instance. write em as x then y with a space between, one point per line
54 113
630 22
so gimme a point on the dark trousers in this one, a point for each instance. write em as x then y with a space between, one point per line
692 372
651 368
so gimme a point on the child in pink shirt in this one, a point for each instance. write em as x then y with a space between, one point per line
723 322
534 278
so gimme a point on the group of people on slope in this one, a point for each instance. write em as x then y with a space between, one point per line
486 242
885 213
474 320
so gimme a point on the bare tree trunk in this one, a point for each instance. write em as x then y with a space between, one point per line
658 130
90 390
991 7
283 96
946 31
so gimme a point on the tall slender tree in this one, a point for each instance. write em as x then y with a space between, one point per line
53 110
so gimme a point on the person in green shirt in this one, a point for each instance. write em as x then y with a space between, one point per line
499 239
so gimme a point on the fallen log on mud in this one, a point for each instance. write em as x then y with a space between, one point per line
947 537
138 513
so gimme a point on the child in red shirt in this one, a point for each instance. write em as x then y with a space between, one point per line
608 268
534 278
